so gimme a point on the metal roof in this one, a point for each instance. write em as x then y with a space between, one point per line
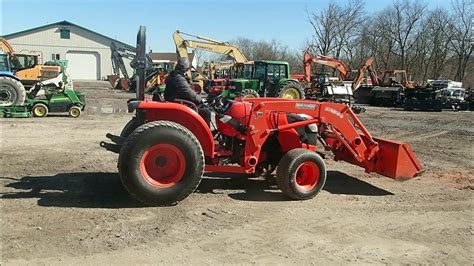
62 23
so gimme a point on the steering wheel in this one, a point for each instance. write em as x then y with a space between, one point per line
215 103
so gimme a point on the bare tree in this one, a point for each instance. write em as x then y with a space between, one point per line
273 50
402 24
348 25
461 39
440 36
198 54
325 28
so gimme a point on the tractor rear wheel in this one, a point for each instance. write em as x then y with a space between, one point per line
249 93
301 174
161 163
292 91
12 92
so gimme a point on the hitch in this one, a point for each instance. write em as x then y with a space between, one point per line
113 147
116 139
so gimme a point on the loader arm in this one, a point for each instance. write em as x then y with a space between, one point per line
118 65
117 61
341 132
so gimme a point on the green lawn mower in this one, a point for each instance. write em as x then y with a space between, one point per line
55 96
50 96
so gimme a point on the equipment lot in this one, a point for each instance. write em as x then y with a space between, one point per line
62 200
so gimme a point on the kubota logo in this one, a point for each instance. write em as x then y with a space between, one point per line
305 106
333 111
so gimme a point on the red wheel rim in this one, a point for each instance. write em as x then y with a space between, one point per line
307 176
162 165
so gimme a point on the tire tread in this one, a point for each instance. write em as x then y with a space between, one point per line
284 170
137 133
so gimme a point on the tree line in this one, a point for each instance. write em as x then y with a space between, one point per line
428 43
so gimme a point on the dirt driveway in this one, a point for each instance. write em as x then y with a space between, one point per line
62 201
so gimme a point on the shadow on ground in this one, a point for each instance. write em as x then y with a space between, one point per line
104 190
266 189
82 190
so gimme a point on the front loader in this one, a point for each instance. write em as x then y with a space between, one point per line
167 147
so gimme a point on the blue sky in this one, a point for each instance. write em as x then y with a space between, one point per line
282 20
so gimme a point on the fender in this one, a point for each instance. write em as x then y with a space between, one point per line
182 115
284 81
9 74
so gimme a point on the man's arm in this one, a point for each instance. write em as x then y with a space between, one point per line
186 92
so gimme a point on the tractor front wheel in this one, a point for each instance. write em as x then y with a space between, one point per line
291 91
161 163
74 112
301 174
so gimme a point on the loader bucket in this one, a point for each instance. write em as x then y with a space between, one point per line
396 160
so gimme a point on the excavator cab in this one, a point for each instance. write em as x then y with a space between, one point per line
396 78
23 61
4 63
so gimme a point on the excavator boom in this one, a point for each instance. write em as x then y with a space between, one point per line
367 66
206 44
5 46
340 66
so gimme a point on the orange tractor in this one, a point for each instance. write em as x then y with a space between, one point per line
167 147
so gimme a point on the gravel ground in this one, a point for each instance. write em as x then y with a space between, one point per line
62 200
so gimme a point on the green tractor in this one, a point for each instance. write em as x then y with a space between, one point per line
265 79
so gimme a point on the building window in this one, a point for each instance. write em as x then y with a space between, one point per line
65 33
55 57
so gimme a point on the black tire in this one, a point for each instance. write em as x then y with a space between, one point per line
133 124
143 139
249 93
12 92
288 169
39 110
291 86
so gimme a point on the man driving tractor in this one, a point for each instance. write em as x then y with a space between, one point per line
178 88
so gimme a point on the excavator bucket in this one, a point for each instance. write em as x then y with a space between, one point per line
396 160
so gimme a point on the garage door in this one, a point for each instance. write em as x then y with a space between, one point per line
83 65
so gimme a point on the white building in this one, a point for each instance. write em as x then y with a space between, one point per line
88 52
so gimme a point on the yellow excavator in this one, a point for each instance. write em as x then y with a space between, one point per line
27 67
221 69
208 45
